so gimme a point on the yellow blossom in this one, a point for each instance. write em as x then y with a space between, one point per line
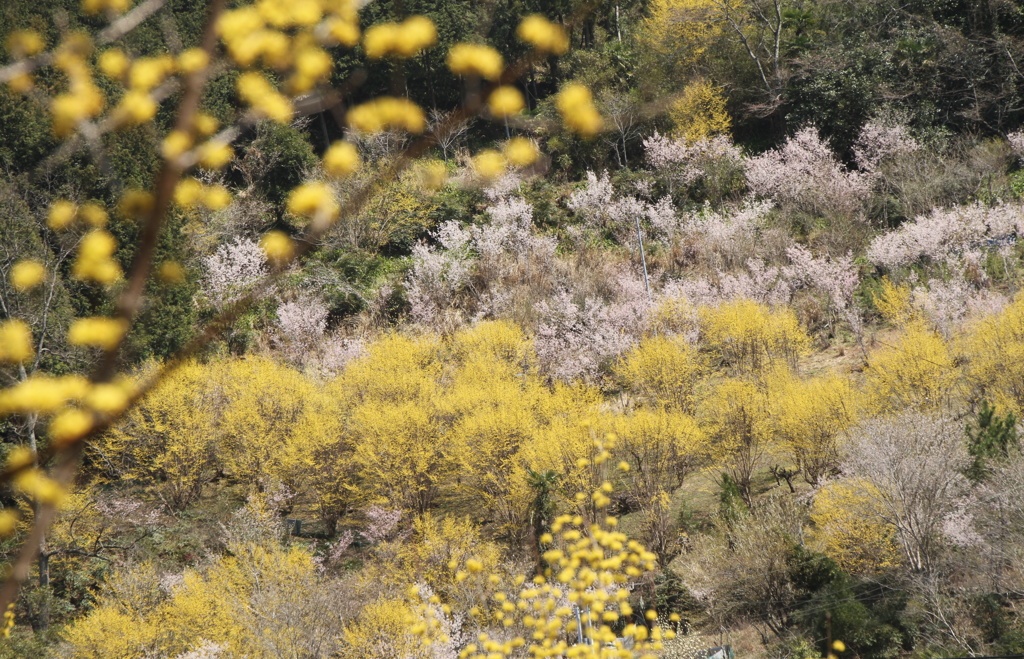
431 174
136 107
205 125
278 247
8 522
312 199
261 95
148 72
136 204
192 60
188 192
521 152
216 197
21 84
15 341
107 397
505 100
543 35
62 213
97 332
470 59
113 63
93 214
343 32
341 159
576 105
42 394
37 485
171 272
27 274
70 425
24 43
215 154
387 112
94 262
176 143
404 39
489 164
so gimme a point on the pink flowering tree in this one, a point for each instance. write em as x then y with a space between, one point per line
944 235
680 164
301 324
836 279
882 141
578 336
804 175
232 271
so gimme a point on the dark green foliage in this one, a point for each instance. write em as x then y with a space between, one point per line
865 614
279 158
731 506
345 280
990 438
672 596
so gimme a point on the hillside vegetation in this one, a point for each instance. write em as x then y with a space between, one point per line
449 328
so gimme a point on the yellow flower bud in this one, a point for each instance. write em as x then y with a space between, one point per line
343 32
15 341
24 43
171 272
97 332
107 397
341 159
278 247
176 143
188 192
312 199
543 35
136 204
21 84
215 154
489 164
136 107
69 426
38 486
418 33
8 522
94 215
387 112
27 274
505 100
192 60
62 213
470 59
313 63
216 197
576 105
206 125
148 72
521 152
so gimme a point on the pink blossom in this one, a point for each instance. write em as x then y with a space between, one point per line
232 270
579 336
837 278
682 162
881 140
806 175
947 304
1016 140
945 234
